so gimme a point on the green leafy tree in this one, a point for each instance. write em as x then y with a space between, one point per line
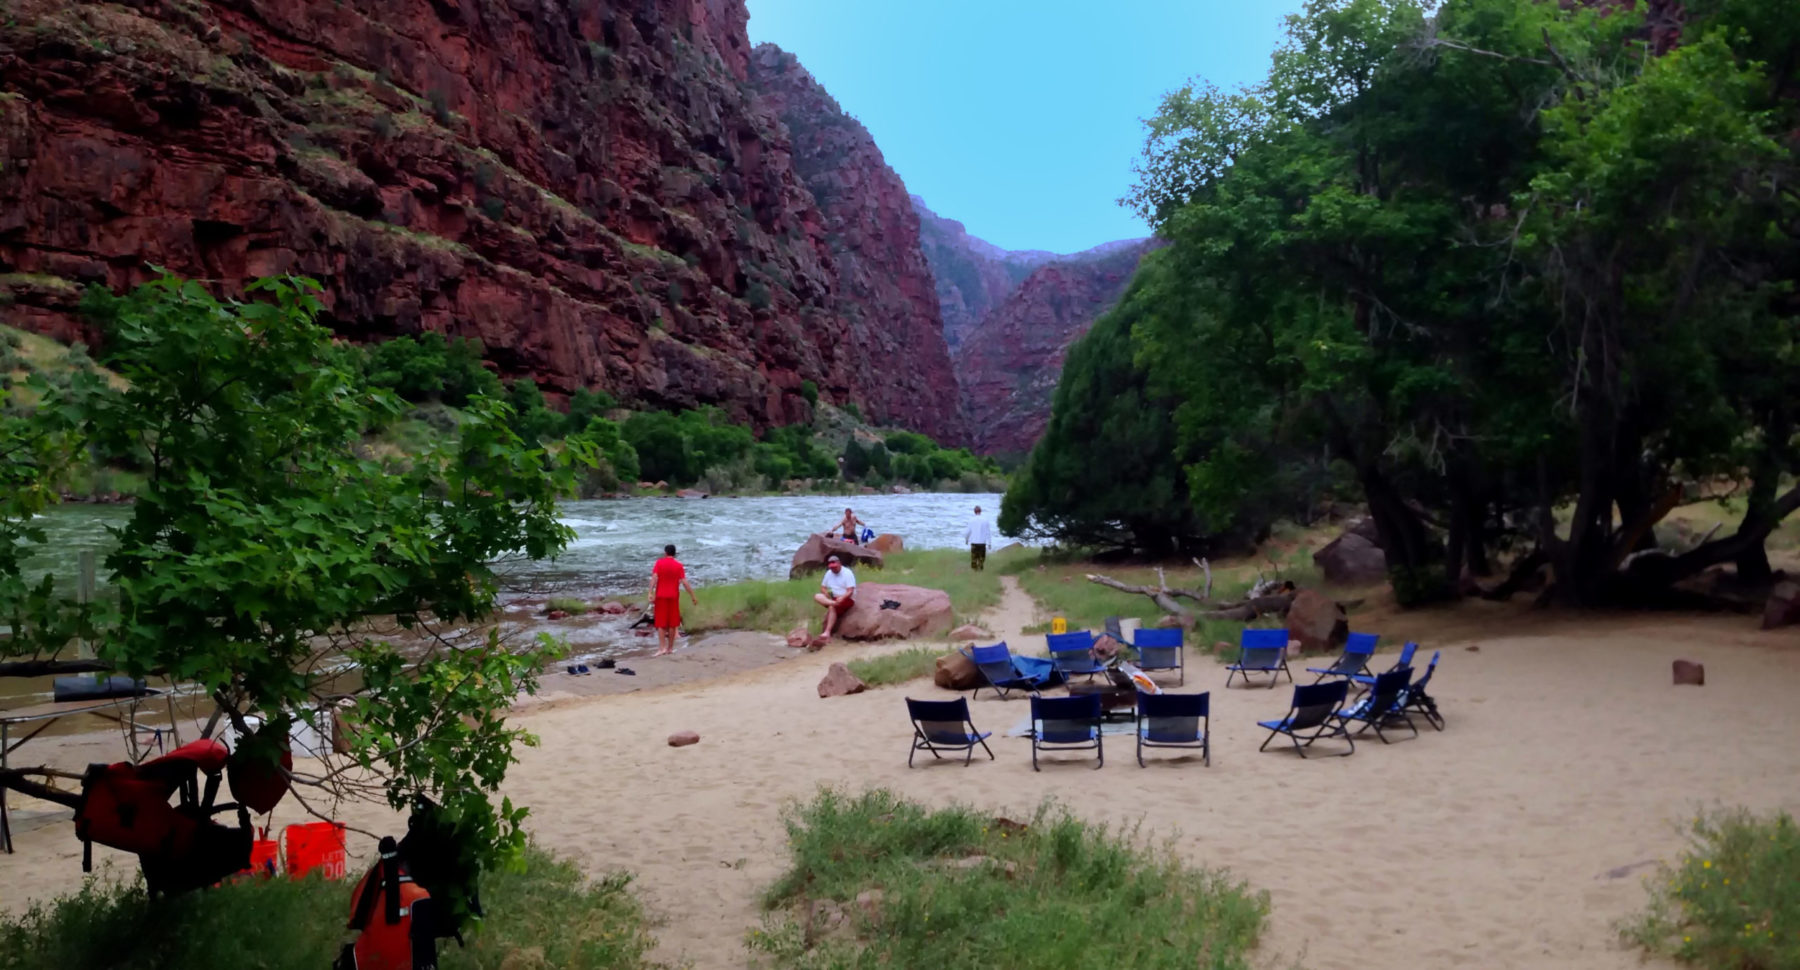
263 546
585 405
664 454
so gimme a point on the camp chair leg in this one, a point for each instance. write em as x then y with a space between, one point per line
1099 748
984 747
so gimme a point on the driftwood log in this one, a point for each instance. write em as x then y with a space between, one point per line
1259 603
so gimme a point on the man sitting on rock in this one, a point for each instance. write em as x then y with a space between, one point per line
837 591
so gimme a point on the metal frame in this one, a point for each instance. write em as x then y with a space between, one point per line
1245 650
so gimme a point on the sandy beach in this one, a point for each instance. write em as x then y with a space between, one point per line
1518 837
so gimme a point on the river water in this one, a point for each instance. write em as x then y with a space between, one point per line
721 540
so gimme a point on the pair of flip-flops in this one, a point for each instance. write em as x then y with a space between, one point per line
582 670
890 604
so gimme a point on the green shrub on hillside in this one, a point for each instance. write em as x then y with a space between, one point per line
431 368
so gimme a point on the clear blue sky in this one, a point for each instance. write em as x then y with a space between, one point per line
1020 118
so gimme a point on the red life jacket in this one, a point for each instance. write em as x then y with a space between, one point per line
179 846
397 922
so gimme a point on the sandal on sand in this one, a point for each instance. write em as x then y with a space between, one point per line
607 664
625 670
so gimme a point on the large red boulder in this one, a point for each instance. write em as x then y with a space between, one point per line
919 612
955 671
1317 621
1783 606
887 542
810 557
1352 560
839 681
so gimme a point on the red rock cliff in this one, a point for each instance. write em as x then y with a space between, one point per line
973 276
886 293
588 186
1009 363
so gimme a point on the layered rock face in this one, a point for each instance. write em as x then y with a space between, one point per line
973 276
886 292
592 189
1008 365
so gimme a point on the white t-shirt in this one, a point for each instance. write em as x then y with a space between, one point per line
978 532
840 582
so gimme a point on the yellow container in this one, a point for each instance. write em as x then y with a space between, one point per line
1059 625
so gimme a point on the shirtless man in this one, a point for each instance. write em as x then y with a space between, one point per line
837 592
847 527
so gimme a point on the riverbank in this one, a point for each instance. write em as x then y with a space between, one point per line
1518 837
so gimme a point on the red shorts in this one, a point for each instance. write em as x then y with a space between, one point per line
842 604
668 612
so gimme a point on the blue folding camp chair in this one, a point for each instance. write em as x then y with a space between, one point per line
1366 681
1175 721
1315 709
1384 705
1262 652
1358 650
1065 724
1073 653
946 725
1415 698
996 666
1160 649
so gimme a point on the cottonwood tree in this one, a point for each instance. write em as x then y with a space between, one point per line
273 562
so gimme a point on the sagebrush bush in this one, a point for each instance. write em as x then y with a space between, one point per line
958 888
1732 902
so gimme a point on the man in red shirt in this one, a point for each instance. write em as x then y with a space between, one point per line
668 578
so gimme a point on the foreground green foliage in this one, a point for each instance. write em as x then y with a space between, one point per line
1733 901
1479 261
898 667
265 543
961 889
542 913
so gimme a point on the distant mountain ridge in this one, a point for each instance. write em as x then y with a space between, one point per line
1009 317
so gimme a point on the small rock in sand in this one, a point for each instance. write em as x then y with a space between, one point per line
798 637
612 607
1473 648
1689 672
681 739
558 614
839 681
969 631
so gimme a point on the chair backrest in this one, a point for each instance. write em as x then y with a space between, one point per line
1315 703
1173 718
1075 641
1386 694
1066 720
1113 630
1357 651
1163 637
1406 655
1430 668
1175 705
1361 643
1262 648
941 721
995 662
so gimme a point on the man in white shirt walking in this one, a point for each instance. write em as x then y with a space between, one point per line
837 593
978 535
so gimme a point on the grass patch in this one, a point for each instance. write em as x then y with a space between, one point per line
777 606
961 889
567 604
542 914
1732 902
896 668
